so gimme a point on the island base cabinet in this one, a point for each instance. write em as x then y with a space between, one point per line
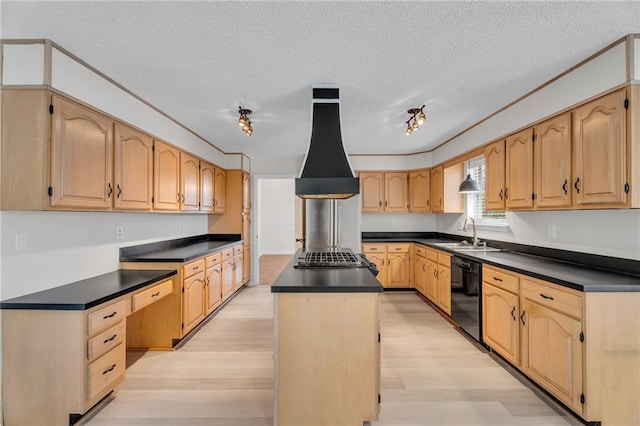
326 358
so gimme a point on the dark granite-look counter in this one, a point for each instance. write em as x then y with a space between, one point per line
181 250
325 280
85 294
572 275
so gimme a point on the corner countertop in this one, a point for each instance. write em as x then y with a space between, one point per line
85 294
578 277
325 280
181 254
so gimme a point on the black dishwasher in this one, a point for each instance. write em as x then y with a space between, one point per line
466 295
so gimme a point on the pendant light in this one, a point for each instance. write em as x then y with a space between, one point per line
469 186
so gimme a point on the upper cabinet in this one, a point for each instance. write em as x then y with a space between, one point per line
189 182
600 152
132 169
246 192
371 191
219 190
206 186
445 182
419 191
437 189
166 177
495 159
81 157
552 153
384 192
519 170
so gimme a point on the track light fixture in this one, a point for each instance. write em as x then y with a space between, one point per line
418 117
244 121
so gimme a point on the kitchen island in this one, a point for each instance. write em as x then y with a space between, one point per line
326 346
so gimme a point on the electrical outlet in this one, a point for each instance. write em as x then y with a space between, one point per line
177 227
394 223
119 233
551 232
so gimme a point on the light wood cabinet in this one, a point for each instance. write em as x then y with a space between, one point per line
437 189
552 153
396 192
132 169
228 278
519 170
166 178
189 182
393 262
81 157
501 331
420 191
444 282
246 264
399 270
193 301
246 192
495 160
213 284
220 191
432 281
379 258
600 152
420 269
207 172
372 191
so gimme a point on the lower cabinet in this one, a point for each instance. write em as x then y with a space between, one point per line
228 274
193 300
393 262
500 311
213 283
438 279
420 269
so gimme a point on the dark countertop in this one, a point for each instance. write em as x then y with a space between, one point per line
325 280
571 275
85 294
181 254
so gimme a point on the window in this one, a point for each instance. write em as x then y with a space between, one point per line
475 207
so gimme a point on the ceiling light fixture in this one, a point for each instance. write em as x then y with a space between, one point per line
244 121
418 117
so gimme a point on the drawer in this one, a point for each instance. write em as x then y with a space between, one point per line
227 254
444 259
214 259
420 250
552 296
192 268
106 370
398 248
501 278
150 295
105 341
432 255
106 317
373 248
237 250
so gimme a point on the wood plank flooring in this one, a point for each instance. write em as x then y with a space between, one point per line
431 375
270 266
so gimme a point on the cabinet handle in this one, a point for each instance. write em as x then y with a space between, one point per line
111 316
155 294
182 198
513 313
497 279
110 339
564 186
373 249
500 194
195 268
119 191
575 185
437 274
544 296
522 317
109 369
380 203
506 193
215 202
386 203
178 197
427 203
424 267
109 190
398 248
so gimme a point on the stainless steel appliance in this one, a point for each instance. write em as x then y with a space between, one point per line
466 295
344 258
332 224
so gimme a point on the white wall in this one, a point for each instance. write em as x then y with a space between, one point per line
276 216
407 222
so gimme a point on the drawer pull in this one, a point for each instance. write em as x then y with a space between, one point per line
398 248
195 268
544 296
155 294
109 369
110 339
373 249
111 316
497 279
513 313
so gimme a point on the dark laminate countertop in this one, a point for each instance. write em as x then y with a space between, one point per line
578 277
88 293
325 280
181 254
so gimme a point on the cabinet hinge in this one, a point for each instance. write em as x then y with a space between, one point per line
51 109
379 399
50 191
581 336
626 104
378 337
533 137
626 188
581 398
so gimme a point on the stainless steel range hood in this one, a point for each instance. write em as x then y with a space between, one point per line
326 171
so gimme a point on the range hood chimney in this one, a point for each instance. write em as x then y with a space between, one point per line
326 171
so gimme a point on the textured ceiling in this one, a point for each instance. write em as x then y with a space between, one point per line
197 61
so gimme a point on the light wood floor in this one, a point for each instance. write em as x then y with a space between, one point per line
270 266
431 375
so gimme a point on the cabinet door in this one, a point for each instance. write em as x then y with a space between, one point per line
246 191
193 301
246 264
81 157
189 182
444 288
238 268
437 190
552 352
246 228
166 187
206 186
553 162
519 170
372 191
419 191
379 260
228 275
220 191
500 328
399 270
396 192
600 151
133 169
432 281
420 274
495 159
213 288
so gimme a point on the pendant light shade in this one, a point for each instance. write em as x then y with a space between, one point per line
468 186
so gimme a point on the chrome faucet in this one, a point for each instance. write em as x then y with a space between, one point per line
475 240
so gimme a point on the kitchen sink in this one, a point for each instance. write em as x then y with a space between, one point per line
454 245
474 249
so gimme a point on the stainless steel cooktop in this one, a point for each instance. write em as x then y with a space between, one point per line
343 258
